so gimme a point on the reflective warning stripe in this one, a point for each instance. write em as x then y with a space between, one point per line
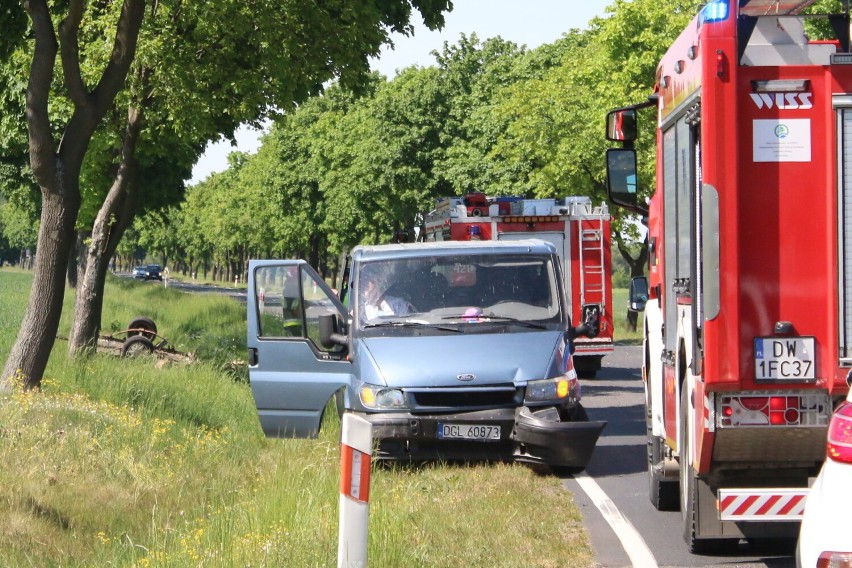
761 504
709 414
354 474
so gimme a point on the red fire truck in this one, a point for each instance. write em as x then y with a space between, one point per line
581 234
748 320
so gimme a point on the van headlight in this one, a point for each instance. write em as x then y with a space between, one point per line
556 389
381 397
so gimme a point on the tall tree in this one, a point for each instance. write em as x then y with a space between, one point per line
56 165
203 69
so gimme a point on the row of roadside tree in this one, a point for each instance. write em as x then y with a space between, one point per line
108 105
352 167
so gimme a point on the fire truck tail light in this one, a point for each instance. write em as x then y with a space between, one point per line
840 434
834 560
754 403
760 410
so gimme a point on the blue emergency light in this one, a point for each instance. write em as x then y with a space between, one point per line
715 11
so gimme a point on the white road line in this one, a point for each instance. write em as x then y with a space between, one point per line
638 552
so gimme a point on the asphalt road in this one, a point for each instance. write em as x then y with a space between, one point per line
195 287
619 467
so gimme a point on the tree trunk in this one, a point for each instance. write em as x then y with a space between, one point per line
113 218
29 355
74 254
637 268
314 252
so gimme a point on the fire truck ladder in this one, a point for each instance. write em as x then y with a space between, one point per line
592 277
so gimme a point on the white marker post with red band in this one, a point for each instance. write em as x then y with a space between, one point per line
356 448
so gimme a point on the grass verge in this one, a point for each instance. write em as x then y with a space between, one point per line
623 334
131 463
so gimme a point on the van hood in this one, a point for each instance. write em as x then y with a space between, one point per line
433 361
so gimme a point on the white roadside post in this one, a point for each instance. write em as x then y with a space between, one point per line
356 448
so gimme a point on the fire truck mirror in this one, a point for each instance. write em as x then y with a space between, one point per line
621 125
638 296
621 176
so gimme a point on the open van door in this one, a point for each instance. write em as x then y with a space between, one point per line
292 374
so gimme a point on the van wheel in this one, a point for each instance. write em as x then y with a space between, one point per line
565 471
587 367
340 403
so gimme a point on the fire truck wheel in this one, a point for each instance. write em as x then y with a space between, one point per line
664 492
137 345
687 479
689 492
140 325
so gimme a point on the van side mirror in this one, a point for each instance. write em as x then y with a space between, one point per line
621 125
638 295
328 333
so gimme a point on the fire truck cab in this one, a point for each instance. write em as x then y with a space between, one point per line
580 232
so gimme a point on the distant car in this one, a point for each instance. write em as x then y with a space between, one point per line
824 535
154 272
140 272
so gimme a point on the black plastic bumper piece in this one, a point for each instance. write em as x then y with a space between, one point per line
523 437
557 444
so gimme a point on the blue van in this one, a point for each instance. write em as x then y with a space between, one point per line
451 350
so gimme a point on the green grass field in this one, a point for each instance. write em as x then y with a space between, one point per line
624 336
128 462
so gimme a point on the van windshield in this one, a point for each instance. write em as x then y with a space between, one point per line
459 289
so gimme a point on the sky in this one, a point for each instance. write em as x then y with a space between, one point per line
524 22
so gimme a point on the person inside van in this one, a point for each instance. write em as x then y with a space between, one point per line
377 302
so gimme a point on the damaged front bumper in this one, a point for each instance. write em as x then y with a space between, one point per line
525 436
539 439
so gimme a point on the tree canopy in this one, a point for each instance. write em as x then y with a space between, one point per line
123 95
489 116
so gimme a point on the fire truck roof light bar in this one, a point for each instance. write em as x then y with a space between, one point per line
716 11
781 86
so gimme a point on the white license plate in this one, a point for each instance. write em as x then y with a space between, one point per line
468 432
785 358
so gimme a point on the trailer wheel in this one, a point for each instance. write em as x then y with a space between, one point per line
136 346
140 325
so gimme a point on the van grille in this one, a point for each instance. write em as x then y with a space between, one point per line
457 399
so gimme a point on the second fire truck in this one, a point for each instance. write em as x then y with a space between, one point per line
579 230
